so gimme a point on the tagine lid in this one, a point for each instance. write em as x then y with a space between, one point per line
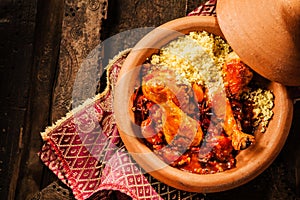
266 36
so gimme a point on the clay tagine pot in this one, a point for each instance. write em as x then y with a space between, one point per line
265 34
250 162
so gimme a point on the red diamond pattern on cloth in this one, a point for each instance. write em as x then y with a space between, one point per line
78 142
123 174
207 9
84 150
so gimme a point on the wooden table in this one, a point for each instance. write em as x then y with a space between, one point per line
37 73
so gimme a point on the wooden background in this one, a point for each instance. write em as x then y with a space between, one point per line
41 46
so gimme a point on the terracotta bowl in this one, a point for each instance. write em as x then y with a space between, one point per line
250 162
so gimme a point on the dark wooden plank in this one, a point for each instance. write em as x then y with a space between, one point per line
193 4
17 25
295 147
80 36
46 49
130 14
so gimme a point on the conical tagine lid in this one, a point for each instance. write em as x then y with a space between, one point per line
265 34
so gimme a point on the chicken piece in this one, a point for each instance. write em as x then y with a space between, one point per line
239 139
237 75
160 89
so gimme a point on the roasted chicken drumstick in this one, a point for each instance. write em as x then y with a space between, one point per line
237 77
159 89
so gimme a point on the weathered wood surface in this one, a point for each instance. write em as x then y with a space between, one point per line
81 26
17 25
41 46
46 48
